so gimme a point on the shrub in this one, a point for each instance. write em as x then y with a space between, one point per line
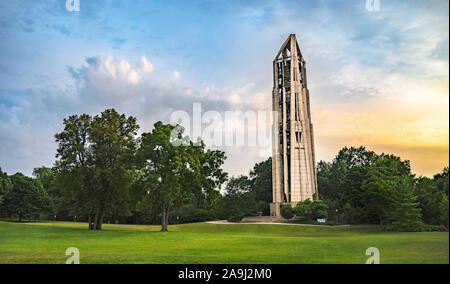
312 209
287 212
319 209
303 208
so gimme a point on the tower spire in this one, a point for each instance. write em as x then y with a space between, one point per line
293 158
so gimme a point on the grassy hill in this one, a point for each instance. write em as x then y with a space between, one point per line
212 243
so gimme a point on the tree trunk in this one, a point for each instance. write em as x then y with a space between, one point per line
165 218
96 220
90 221
100 219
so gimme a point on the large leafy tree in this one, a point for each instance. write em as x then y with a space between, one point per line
330 178
355 156
340 181
379 189
238 199
94 164
261 184
429 196
208 175
171 168
442 181
26 199
248 195
47 177
112 138
430 193
5 185
363 184
406 215
261 181
75 174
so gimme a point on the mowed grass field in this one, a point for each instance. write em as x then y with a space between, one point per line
217 244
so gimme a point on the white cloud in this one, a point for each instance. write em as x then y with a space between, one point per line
119 70
146 66
235 99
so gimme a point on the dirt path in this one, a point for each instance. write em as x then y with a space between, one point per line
224 222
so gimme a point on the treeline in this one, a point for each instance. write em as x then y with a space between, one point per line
368 188
247 195
23 197
358 187
104 171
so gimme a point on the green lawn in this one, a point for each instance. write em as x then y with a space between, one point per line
221 244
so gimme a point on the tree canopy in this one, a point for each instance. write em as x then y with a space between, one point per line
104 171
93 164
26 198
172 168
5 185
380 188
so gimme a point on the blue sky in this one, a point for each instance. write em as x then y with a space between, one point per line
377 78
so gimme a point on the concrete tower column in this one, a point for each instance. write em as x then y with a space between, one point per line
293 157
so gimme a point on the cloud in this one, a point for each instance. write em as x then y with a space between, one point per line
108 77
387 111
100 83
379 79
146 66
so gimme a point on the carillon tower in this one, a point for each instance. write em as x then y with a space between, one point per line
293 159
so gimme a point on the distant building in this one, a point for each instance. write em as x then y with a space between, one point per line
293 158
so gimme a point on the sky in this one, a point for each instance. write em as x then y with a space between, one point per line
377 77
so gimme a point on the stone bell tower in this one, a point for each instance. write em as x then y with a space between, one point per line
293 159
